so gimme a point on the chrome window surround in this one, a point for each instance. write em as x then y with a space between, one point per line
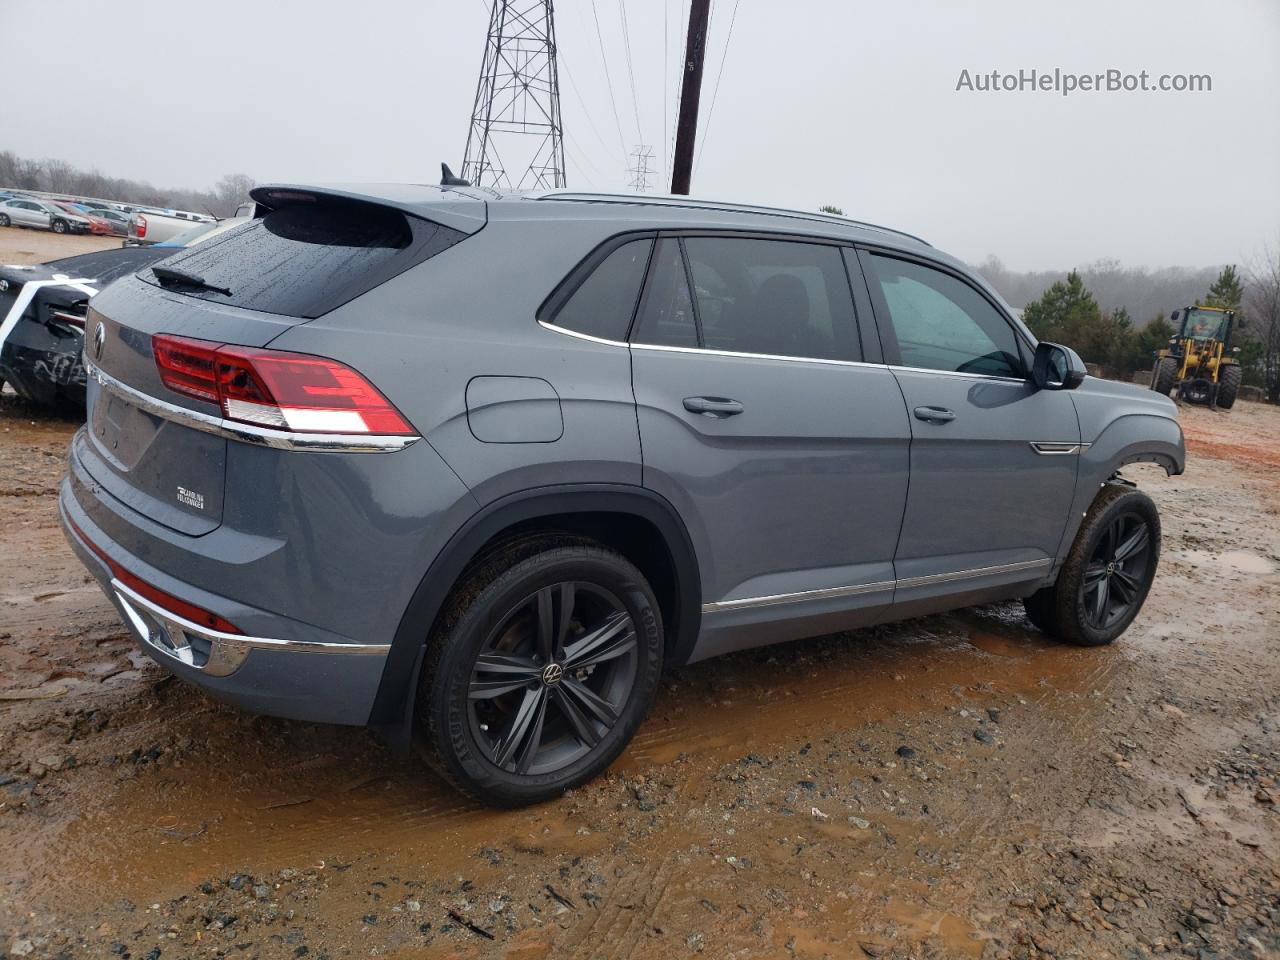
227 651
751 603
245 432
769 356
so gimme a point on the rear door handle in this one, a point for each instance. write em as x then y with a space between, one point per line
717 407
934 414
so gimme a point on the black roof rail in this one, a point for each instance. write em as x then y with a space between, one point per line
666 200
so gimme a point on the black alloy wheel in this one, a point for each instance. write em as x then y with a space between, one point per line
1114 577
552 679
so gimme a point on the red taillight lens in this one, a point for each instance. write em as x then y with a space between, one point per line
187 611
275 389
142 226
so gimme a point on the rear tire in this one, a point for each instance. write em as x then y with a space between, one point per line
516 703
1108 573
4 220
1229 385
1164 375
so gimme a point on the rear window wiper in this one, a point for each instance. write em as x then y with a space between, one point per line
168 275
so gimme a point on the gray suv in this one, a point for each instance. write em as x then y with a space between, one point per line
471 468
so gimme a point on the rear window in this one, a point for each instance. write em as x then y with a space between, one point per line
308 258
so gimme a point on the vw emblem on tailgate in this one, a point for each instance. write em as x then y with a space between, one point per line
99 337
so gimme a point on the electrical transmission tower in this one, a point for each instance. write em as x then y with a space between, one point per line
517 105
641 154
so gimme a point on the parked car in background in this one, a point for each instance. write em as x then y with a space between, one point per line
202 232
148 227
41 356
42 215
376 458
97 225
118 220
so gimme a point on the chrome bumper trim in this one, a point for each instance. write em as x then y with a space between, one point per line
247 433
227 651
750 603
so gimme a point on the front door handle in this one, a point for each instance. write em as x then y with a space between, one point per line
934 414
717 407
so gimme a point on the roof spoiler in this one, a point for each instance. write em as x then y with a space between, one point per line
454 209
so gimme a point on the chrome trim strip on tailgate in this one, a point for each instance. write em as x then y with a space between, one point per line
750 603
227 651
245 432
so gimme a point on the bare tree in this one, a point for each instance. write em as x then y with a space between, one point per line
1262 304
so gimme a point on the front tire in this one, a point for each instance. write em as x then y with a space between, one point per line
540 670
1164 375
1108 573
59 226
4 220
1229 385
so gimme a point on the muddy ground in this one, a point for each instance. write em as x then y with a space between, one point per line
956 786
21 245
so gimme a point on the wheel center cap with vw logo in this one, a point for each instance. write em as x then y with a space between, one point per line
552 674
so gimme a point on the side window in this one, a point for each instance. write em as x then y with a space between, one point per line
666 315
604 303
776 297
942 323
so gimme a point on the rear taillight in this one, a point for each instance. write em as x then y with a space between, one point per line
187 611
278 390
141 226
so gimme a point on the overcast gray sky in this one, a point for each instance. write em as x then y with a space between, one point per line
850 102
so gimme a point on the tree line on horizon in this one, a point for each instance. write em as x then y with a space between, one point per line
1069 313
51 175
1115 316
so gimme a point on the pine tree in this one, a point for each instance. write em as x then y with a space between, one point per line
1227 291
1068 314
828 208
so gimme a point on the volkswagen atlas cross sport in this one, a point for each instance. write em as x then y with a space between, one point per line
471 468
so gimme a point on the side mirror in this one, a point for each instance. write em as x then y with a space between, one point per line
1056 367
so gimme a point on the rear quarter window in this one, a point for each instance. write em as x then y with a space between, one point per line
602 304
308 258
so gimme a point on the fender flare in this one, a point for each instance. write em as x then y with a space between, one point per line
1129 438
393 706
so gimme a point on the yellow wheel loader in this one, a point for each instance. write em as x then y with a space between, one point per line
1199 360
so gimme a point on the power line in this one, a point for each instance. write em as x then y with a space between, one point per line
622 145
581 100
715 91
626 40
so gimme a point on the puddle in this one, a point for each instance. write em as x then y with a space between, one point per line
1239 560
309 794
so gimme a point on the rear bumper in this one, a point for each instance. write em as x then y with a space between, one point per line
317 680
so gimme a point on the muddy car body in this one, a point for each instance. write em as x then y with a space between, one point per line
472 468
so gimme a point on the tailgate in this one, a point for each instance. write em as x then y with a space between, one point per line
170 472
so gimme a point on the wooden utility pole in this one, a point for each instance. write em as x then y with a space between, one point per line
690 92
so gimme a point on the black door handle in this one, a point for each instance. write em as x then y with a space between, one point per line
934 414
717 407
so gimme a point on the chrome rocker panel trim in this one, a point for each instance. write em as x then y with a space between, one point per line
245 432
751 603
227 651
